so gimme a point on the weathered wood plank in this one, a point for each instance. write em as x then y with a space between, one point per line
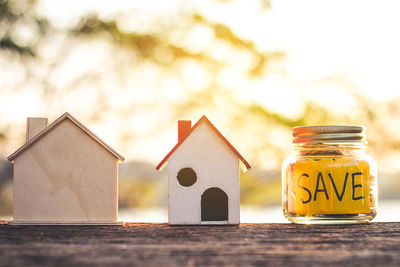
375 244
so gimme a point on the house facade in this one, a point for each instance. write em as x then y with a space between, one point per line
64 174
203 176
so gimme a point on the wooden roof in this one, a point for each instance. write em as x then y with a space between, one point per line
66 115
206 120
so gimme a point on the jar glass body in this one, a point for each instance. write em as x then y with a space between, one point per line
329 184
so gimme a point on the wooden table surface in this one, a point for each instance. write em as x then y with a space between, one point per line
374 244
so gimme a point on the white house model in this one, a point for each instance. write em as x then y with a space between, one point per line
203 176
64 174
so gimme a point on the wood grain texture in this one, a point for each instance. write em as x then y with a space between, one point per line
375 244
66 176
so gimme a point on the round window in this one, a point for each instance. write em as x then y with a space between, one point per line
187 177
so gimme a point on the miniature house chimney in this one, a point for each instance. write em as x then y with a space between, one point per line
34 126
184 128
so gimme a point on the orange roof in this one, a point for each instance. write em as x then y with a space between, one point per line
204 118
66 115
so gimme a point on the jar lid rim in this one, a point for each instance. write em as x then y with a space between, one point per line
329 133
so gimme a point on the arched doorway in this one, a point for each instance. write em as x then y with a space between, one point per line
214 205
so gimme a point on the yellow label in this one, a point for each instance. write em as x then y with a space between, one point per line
331 186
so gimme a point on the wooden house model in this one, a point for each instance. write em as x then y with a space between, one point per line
203 176
64 174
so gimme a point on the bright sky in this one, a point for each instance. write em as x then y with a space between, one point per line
321 38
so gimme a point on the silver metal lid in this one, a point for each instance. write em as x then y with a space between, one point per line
329 134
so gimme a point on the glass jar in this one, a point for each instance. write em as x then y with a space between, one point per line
329 179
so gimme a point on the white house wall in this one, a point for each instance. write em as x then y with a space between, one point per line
215 166
64 177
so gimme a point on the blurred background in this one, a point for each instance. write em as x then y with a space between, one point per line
130 69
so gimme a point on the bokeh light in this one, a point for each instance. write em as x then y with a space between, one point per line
129 70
